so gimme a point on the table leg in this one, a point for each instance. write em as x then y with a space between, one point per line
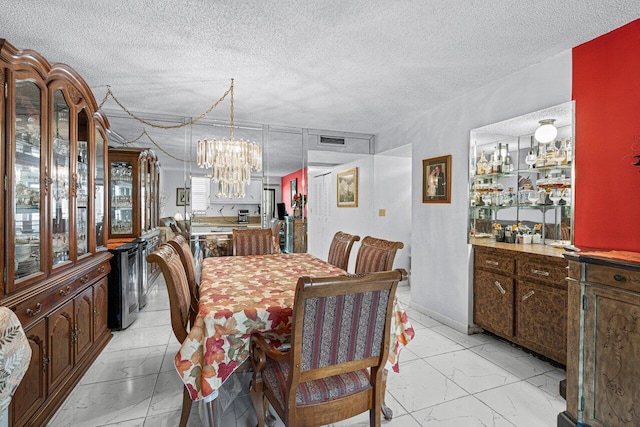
210 415
387 413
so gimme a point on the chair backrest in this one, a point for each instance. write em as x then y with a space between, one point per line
376 255
181 246
340 249
177 287
252 241
341 323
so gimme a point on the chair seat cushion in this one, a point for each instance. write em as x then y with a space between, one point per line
275 377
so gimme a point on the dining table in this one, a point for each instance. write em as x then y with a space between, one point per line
244 295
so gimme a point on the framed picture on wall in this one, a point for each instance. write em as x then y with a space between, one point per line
436 180
347 188
293 186
183 196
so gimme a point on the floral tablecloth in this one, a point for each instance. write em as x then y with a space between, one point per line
243 295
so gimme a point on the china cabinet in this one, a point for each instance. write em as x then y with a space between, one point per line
134 202
54 260
603 340
520 187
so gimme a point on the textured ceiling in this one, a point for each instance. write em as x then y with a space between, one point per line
351 66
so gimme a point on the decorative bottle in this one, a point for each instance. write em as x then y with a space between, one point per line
506 166
498 159
563 153
482 165
542 155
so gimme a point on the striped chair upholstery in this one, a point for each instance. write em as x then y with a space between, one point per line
179 243
252 241
340 249
179 303
339 347
376 255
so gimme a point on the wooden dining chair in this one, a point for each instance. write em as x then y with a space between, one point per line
340 249
181 246
376 255
339 347
252 241
179 302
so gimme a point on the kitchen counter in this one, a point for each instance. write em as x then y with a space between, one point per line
532 248
209 225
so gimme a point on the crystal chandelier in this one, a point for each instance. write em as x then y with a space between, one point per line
231 161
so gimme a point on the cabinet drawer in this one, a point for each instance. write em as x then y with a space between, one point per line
546 269
494 259
90 276
33 309
613 276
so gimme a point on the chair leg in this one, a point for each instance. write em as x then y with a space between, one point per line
186 407
210 413
386 411
258 400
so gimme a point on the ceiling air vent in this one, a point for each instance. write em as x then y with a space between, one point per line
330 140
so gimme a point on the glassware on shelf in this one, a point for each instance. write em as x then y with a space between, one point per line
507 166
555 196
482 165
566 196
541 159
531 158
533 197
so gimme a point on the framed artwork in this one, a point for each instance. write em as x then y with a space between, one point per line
293 187
347 188
436 180
183 196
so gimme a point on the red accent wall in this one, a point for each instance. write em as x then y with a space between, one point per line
301 176
606 88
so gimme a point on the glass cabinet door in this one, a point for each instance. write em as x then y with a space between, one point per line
27 206
99 190
121 182
60 179
82 185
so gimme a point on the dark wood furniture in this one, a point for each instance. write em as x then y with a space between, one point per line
54 256
252 241
340 249
604 313
134 201
181 246
320 381
179 301
522 297
376 255
300 235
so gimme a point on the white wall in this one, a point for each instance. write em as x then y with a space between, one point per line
384 182
441 264
170 180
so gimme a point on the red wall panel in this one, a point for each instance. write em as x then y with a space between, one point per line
285 184
606 88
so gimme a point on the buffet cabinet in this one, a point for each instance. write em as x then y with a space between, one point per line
522 297
604 340
134 202
54 259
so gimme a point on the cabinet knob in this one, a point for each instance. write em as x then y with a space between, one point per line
540 272
528 295
84 279
618 278
101 269
32 313
500 288
491 262
64 292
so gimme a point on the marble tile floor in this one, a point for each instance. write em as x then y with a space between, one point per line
446 379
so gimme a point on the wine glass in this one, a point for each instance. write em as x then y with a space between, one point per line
555 196
531 158
533 197
566 196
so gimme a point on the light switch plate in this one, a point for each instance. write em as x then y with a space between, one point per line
382 212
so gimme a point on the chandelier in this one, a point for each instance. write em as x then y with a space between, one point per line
231 161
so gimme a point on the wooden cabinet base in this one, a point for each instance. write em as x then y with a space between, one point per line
55 400
522 297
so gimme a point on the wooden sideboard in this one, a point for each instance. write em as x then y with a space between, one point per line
603 372
53 254
522 297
